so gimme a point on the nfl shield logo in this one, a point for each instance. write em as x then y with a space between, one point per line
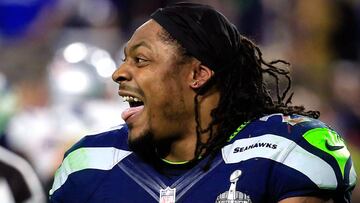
167 195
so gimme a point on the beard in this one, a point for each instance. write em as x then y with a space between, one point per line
144 146
147 148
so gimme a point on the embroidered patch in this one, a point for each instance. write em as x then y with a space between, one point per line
167 195
232 195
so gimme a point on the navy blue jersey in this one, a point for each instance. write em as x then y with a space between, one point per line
270 159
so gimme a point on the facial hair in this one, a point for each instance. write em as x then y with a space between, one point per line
144 146
149 149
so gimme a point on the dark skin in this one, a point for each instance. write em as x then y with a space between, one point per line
151 72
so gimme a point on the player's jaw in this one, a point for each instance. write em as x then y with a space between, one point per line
135 115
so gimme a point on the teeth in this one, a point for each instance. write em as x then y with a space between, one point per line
130 99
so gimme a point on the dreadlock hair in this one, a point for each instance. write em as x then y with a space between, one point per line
244 95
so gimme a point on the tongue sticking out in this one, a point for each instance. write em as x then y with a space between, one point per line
131 111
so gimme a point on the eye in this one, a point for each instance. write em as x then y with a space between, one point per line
140 61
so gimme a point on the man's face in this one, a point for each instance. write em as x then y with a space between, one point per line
163 104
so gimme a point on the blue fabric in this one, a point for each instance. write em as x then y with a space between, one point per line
262 180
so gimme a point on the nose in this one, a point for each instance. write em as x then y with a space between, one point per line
121 74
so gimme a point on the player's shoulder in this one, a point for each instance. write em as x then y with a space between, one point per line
292 127
292 141
115 137
272 135
88 161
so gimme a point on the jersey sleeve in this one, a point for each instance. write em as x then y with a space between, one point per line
319 164
86 164
75 174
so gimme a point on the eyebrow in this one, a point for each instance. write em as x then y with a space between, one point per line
136 46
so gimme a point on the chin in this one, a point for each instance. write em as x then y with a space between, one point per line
142 144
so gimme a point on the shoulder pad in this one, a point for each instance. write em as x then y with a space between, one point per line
100 151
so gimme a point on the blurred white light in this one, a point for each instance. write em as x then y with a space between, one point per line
97 55
103 63
105 67
73 82
75 52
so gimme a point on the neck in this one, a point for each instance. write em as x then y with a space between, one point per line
183 149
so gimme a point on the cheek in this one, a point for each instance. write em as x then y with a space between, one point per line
169 104
168 93
166 101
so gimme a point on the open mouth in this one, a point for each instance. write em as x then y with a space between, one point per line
133 101
136 107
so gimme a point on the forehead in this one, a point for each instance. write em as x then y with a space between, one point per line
146 33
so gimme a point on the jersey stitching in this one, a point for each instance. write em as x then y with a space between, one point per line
152 184
140 181
195 180
155 179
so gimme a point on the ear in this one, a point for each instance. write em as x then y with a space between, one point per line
200 75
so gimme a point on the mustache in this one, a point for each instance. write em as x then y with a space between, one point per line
129 88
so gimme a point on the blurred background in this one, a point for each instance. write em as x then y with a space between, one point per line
57 57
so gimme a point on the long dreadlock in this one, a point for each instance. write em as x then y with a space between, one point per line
244 95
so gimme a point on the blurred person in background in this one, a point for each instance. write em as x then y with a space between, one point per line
203 127
18 181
